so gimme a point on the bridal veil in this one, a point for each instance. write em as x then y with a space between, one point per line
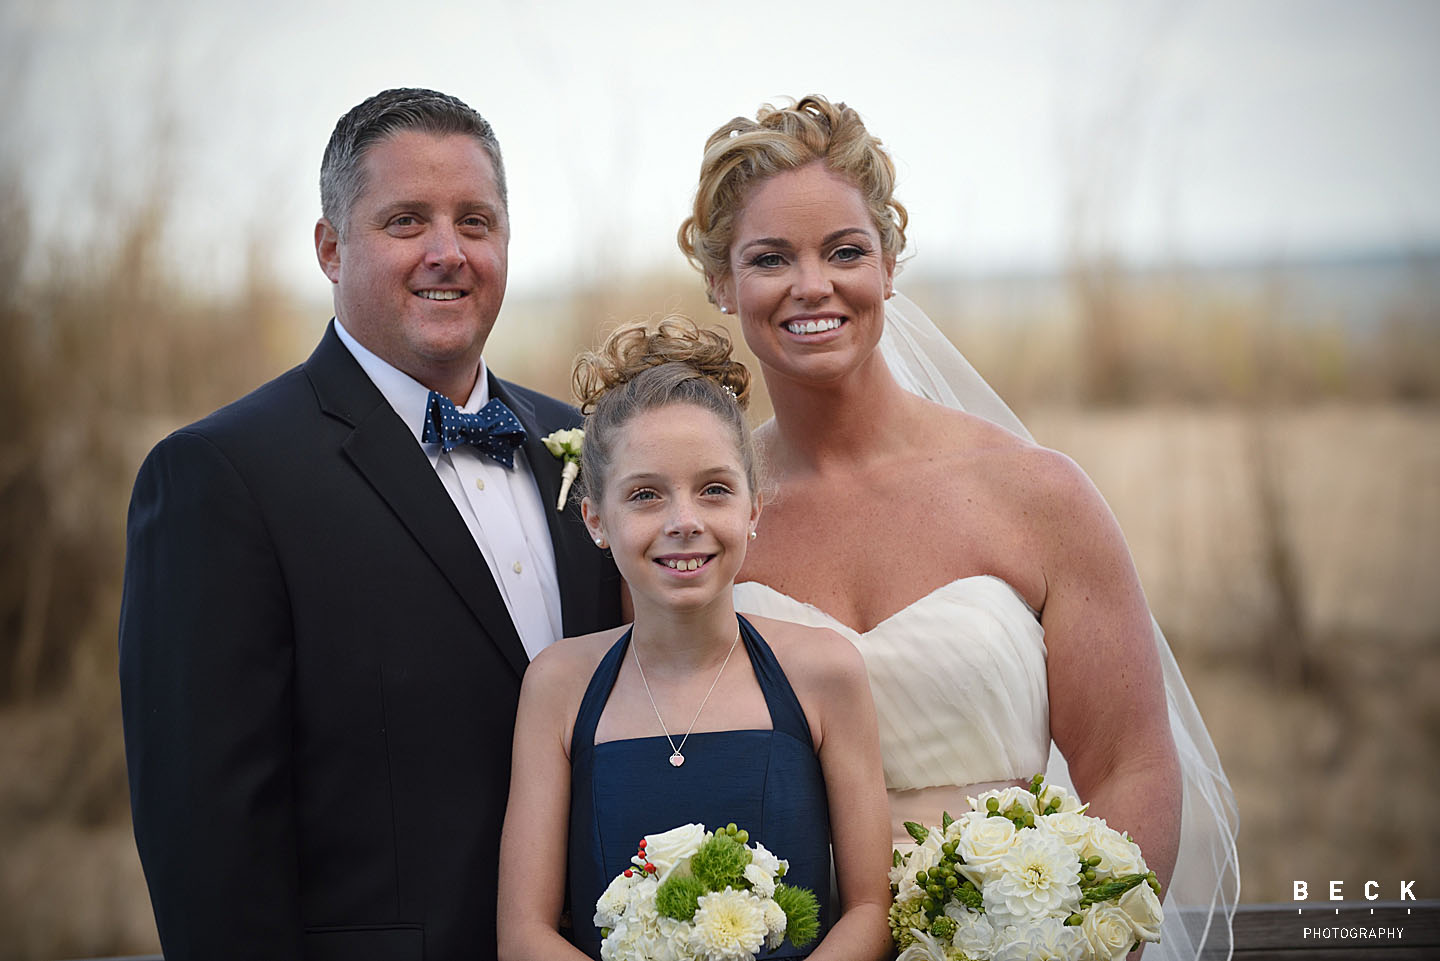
1203 892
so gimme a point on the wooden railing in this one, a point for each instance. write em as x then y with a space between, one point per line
1356 931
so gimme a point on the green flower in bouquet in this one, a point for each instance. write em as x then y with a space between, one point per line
712 892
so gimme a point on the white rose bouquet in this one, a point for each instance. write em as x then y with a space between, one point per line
1024 874
697 895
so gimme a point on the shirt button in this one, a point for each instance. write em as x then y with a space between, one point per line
479 483
518 567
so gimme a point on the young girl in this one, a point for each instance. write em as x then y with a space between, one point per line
690 715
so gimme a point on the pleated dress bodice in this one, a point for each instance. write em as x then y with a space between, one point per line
960 687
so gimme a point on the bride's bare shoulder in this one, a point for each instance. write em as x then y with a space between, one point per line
1015 465
1043 484
965 434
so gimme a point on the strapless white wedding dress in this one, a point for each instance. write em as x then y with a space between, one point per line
960 689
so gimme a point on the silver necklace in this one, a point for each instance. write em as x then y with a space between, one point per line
676 758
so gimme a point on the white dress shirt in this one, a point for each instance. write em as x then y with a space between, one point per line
501 507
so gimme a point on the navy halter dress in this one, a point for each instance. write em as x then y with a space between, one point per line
768 782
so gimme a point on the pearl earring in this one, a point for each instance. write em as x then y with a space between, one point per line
724 309
753 535
600 543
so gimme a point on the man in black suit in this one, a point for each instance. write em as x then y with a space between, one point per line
334 584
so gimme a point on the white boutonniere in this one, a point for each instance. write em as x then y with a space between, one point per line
566 445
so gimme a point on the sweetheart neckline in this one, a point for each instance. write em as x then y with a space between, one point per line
915 603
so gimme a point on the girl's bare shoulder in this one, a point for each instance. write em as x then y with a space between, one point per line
564 668
812 656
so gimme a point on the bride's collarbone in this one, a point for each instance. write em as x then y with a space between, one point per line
864 577
858 594
879 476
849 534
920 491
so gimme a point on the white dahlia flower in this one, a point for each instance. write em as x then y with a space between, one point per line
729 926
1038 878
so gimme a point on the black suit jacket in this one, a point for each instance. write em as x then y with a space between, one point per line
319 676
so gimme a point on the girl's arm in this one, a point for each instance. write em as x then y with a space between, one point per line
849 751
533 843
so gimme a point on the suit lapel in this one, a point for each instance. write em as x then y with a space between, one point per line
383 449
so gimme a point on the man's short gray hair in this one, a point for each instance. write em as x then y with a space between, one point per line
342 171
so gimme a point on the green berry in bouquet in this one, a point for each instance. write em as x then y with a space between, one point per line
1024 873
704 896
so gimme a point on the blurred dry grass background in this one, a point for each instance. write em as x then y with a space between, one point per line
1276 469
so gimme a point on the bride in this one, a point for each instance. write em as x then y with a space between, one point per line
982 576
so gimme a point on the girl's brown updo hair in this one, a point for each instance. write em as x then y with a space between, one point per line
745 152
644 366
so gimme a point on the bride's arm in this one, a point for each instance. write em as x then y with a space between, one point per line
533 843
849 751
1108 713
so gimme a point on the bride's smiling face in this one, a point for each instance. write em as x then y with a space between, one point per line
676 510
808 277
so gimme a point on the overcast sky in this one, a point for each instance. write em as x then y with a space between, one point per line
1159 128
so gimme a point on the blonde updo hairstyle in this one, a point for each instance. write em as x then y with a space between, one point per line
644 366
744 152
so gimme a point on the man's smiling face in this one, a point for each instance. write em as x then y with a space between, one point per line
420 273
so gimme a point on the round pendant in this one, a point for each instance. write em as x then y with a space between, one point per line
677 759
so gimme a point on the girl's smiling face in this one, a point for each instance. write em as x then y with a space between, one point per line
676 511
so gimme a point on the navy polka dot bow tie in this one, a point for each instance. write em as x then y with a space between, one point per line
493 429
